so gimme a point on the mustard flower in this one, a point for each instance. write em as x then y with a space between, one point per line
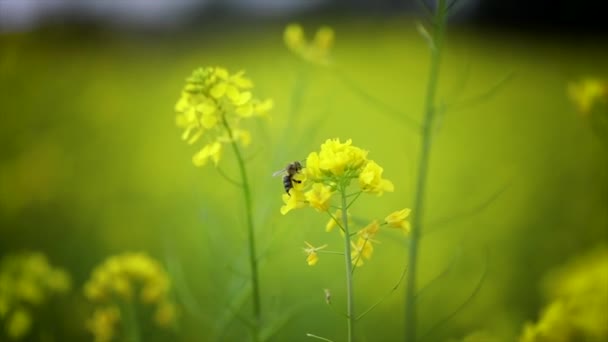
331 223
317 51
27 280
127 279
212 106
318 197
587 93
370 179
577 302
104 323
398 219
333 168
311 252
361 249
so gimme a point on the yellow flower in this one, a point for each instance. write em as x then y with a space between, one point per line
123 279
398 218
370 231
362 249
18 324
166 314
294 200
211 151
317 51
587 92
370 179
103 323
336 157
212 101
331 223
311 251
319 196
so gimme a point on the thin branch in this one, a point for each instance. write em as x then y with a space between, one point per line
354 199
393 289
228 178
445 222
428 10
385 108
443 273
336 220
465 303
318 337
481 97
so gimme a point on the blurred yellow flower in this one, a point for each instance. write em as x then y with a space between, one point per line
317 51
331 223
587 92
211 151
212 106
123 280
27 280
166 314
360 250
311 251
398 219
370 231
578 294
103 323
18 324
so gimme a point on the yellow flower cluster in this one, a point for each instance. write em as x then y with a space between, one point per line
333 168
123 279
330 171
578 295
317 51
588 93
27 280
211 107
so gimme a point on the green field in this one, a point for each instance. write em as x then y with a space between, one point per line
92 165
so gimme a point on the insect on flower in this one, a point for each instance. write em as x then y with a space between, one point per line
288 173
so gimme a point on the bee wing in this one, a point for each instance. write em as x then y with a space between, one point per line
279 173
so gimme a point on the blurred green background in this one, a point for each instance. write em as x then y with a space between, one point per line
92 165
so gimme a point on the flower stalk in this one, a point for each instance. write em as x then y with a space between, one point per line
253 263
348 262
440 21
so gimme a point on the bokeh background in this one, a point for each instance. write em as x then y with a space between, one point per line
92 164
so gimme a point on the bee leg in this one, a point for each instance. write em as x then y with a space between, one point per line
297 181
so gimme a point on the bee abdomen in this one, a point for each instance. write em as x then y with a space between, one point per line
287 183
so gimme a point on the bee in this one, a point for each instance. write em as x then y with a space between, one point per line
288 172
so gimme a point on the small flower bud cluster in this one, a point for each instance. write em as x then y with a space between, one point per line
124 279
317 51
212 101
27 280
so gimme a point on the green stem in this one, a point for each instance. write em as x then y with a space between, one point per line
426 137
133 325
250 233
350 309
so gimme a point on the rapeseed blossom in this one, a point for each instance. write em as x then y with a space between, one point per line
331 169
588 93
27 281
336 168
578 298
127 279
317 51
211 107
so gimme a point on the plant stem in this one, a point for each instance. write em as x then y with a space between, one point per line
133 324
350 309
250 234
426 140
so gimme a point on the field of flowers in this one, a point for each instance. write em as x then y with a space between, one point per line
452 185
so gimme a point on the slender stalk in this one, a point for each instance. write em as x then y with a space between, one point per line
132 323
250 234
350 309
426 140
